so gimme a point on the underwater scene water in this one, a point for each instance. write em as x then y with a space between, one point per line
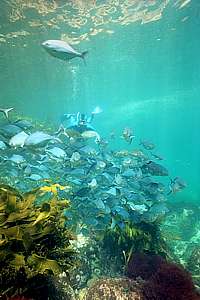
99 149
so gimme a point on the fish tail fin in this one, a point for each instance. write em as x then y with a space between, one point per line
6 114
83 54
6 111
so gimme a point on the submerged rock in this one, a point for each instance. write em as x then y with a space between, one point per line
114 289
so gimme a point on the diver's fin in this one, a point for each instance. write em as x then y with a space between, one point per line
97 110
83 54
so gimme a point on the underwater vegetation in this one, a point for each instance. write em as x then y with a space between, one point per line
170 282
182 228
150 277
18 298
34 244
162 279
107 254
121 242
193 264
143 265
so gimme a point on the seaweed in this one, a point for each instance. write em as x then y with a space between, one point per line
131 238
34 241
170 282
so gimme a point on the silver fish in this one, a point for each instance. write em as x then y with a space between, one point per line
90 134
139 208
17 159
27 171
62 50
57 152
75 157
2 145
18 139
39 138
35 177
93 183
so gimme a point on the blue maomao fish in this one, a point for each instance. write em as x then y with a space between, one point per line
23 124
154 169
62 50
147 145
176 185
9 130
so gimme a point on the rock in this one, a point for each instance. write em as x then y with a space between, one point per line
114 289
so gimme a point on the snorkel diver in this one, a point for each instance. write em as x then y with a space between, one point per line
80 123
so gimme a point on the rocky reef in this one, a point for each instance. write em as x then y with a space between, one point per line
114 289
151 277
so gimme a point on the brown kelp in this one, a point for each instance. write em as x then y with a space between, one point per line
131 238
34 241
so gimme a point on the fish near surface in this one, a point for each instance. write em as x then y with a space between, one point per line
62 50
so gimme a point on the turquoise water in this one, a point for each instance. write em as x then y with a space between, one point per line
91 209
143 76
